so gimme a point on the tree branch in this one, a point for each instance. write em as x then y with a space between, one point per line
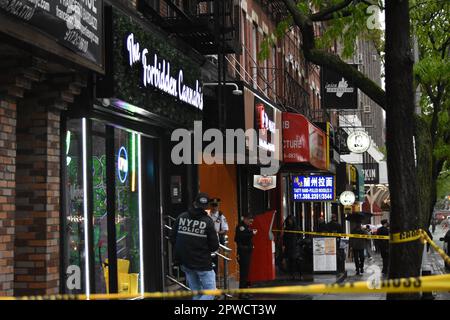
319 16
335 63
331 61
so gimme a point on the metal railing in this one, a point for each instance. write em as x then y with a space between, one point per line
223 254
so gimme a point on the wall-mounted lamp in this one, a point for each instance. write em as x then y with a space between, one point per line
236 92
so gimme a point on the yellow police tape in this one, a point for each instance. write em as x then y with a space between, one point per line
406 236
399 237
426 238
405 285
334 234
373 285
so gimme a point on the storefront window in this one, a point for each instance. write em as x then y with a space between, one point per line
73 215
125 216
127 207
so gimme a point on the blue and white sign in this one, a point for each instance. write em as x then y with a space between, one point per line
122 164
313 188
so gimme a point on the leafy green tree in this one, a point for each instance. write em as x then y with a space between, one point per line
344 21
431 27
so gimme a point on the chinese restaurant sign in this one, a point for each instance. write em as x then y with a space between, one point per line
303 142
77 25
313 188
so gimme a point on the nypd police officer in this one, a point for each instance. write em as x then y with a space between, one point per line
244 240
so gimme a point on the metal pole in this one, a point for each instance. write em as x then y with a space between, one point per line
225 277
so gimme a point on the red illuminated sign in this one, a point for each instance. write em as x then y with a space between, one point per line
303 142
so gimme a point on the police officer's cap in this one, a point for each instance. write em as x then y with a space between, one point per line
214 201
202 200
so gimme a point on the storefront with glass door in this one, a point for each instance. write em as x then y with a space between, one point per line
117 165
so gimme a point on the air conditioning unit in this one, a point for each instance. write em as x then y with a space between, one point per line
360 58
367 109
374 57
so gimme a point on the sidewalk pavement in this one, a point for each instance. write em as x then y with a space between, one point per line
370 266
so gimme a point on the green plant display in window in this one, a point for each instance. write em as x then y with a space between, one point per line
99 206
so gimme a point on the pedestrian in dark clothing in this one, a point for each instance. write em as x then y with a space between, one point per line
322 226
368 232
244 240
358 245
195 238
446 239
431 237
383 245
334 227
291 248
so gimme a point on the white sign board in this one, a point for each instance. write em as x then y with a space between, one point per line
264 182
324 254
358 142
347 198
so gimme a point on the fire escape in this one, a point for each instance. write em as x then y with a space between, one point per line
199 23
210 26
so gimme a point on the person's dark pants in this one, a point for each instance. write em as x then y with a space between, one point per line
385 256
358 256
244 267
215 261
293 266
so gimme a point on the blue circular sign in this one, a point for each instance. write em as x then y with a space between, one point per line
122 164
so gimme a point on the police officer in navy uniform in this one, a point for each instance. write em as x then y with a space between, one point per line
244 240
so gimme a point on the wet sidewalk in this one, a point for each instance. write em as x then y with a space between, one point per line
371 268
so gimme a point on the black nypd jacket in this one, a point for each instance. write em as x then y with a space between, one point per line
195 238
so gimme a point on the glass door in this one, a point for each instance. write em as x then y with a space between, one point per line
102 212
128 210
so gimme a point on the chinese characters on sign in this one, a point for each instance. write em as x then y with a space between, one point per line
313 188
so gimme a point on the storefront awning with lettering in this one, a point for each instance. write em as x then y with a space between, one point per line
303 142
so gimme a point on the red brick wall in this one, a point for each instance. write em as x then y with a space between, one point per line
37 201
7 194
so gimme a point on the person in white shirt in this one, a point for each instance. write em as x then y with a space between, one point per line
219 219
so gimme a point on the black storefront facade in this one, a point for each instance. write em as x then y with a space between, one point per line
117 167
